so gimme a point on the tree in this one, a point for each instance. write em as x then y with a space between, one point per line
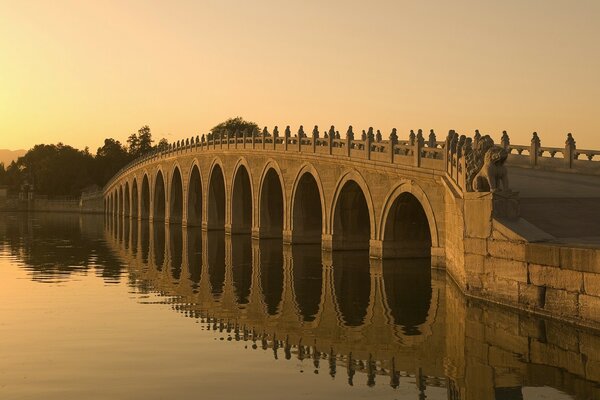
233 125
109 159
140 143
163 144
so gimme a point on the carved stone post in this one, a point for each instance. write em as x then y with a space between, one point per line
432 139
244 135
534 150
235 138
264 137
300 136
392 144
315 136
368 140
569 151
505 140
331 137
253 137
275 136
286 137
417 149
349 139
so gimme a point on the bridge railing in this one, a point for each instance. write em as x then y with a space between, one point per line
449 155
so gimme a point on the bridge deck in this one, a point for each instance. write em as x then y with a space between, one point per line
565 205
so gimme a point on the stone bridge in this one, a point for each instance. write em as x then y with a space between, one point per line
396 198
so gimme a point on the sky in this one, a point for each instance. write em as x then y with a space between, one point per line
78 72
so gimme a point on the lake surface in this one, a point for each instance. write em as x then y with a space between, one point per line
95 309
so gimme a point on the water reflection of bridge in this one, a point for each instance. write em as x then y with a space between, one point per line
379 316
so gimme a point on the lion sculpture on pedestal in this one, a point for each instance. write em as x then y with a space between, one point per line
486 171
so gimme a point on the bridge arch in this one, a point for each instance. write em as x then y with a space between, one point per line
408 226
158 211
135 208
351 212
176 196
307 225
145 197
271 201
216 196
127 199
242 198
194 200
120 212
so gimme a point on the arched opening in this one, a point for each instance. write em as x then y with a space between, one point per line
176 198
351 222
307 278
120 201
159 198
241 268
126 232
134 237
194 256
134 200
408 292
127 211
215 248
241 202
407 233
176 251
216 200
194 206
271 206
145 209
271 273
159 245
307 213
352 283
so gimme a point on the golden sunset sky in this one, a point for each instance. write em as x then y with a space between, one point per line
81 71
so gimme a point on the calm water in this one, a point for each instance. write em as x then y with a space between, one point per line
135 311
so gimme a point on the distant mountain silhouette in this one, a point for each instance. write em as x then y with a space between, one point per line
8 156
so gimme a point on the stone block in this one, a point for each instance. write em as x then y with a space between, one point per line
562 336
532 327
589 307
580 259
476 246
502 290
589 344
502 358
507 250
561 302
531 295
591 284
476 349
474 263
506 269
542 254
507 340
478 215
592 370
555 278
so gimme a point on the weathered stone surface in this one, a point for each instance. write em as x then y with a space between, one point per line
589 307
507 269
591 283
561 302
557 335
502 358
580 259
589 344
530 295
507 250
555 278
499 289
476 246
474 264
542 254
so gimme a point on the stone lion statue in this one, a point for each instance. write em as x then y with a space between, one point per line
485 166
493 173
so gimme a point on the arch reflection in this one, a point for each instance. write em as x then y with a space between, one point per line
176 250
215 250
307 278
408 289
352 285
159 245
194 256
241 267
271 273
